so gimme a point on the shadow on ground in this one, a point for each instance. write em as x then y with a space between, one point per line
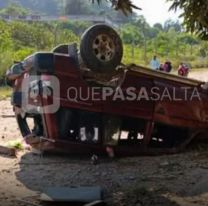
37 173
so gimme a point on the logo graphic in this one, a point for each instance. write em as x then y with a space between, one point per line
40 94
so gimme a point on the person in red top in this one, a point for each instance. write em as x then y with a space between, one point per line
183 70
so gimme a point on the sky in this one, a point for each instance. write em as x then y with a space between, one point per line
156 11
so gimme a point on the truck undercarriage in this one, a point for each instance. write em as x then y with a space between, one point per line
162 114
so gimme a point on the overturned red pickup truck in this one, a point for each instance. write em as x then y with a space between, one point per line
94 104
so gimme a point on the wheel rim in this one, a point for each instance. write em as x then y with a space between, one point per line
104 48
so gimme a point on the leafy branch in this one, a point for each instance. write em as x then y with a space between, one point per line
126 6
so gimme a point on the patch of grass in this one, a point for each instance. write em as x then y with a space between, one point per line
15 144
5 92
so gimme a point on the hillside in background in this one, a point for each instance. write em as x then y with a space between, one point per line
37 6
68 7
140 40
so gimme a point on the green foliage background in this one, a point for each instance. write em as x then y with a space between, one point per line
20 39
141 41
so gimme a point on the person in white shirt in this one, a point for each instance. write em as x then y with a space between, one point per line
155 64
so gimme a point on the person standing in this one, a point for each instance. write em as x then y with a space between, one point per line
183 70
155 63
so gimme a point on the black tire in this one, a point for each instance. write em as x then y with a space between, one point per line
24 128
110 52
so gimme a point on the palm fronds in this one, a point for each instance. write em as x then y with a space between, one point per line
126 6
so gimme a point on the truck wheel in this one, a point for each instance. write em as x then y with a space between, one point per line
101 48
25 130
23 125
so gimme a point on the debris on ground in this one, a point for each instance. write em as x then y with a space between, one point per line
8 151
94 159
72 194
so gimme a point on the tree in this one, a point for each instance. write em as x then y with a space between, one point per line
189 40
32 35
172 24
74 7
195 14
14 10
5 37
80 7
50 7
62 34
5 47
163 42
158 26
78 27
130 34
126 6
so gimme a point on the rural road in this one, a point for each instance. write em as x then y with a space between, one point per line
201 74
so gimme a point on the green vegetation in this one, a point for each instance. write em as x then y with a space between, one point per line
167 42
65 7
19 39
32 6
15 144
141 41
194 12
14 10
195 15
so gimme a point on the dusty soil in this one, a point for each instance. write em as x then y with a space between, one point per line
201 74
173 180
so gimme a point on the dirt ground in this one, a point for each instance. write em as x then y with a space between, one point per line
168 180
